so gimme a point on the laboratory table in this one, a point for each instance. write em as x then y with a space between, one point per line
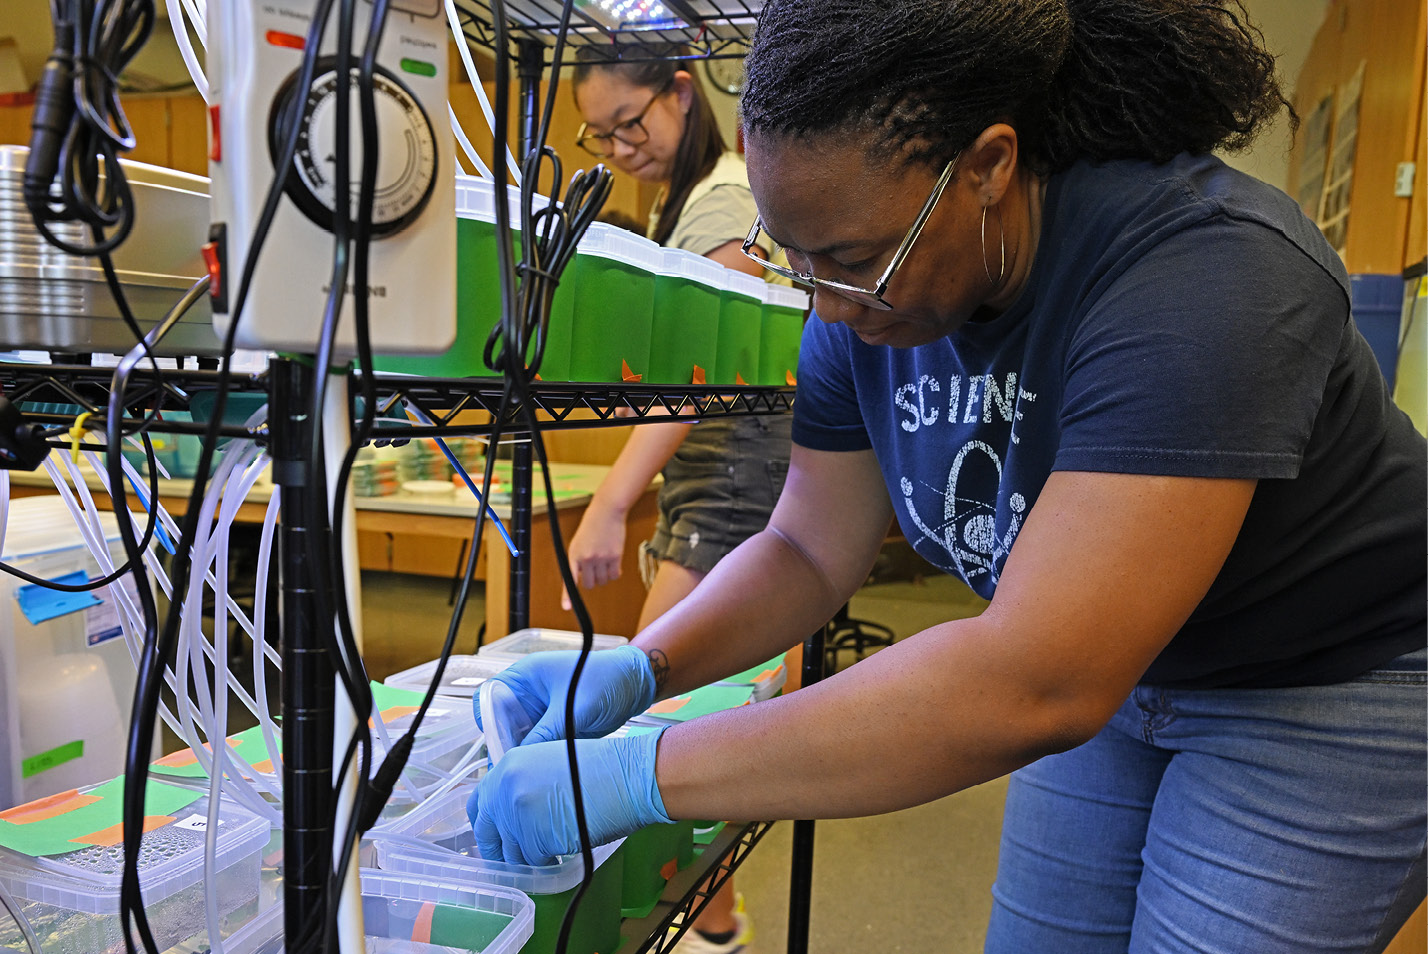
429 534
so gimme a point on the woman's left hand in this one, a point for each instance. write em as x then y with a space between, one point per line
523 811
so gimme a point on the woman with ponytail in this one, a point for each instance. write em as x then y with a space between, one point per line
651 119
1115 386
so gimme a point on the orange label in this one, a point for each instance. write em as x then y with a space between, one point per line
668 705
114 834
51 807
698 375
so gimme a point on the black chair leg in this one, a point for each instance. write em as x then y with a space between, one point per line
853 635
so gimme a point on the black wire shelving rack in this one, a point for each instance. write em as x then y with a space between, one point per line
707 29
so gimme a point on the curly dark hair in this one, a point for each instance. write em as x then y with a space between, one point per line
1078 79
701 145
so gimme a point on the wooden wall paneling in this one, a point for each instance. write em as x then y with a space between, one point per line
15 125
149 118
1387 34
1416 246
188 133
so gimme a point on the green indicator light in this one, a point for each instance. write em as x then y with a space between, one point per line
419 67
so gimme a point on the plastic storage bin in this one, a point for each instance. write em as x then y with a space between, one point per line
685 333
783 313
766 680
478 292
612 279
441 747
436 841
462 677
535 640
691 705
740 326
415 916
72 899
1377 303
66 676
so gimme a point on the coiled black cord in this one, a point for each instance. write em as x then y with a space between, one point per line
78 127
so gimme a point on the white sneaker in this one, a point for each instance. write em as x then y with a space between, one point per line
695 943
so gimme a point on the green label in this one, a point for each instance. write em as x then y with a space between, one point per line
45 761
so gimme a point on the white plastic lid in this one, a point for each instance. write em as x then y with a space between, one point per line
43 524
678 263
750 286
503 720
781 296
536 639
476 199
621 245
463 674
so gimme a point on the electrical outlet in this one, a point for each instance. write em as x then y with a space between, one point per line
1403 180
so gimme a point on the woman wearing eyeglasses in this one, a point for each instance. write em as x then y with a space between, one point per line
1116 387
651 120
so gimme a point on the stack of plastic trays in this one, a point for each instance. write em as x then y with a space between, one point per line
408 915
436 841
71 898
766 680
462 677
523 642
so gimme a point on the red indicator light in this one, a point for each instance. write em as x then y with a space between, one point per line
286 40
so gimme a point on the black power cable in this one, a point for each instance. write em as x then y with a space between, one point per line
78 126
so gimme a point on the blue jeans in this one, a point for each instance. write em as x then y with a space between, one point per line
1263 821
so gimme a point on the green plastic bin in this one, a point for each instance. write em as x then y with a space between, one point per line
478 293
612 285
783 313
685 333
741 307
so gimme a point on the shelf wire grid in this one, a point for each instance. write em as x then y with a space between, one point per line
709 29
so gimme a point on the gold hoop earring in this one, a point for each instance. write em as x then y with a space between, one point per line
1002 271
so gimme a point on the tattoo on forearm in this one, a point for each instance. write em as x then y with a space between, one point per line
659 665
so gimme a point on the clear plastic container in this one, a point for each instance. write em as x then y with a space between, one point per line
72 900
536 640
740 326
404 915
784 309
612 278
685 332
462 676
436 841
766 680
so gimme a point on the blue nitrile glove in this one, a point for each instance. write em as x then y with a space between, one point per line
523 811
615 686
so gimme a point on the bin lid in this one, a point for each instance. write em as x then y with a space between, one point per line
39 525
679 263
621 245
781 296
750 286
476 199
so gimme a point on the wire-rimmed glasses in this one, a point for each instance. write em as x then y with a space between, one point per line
870 297
631 132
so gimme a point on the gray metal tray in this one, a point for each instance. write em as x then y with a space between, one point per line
53 301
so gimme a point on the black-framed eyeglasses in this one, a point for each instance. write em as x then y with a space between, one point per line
631 132
871 297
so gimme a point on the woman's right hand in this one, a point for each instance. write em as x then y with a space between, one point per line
615 686
597 549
